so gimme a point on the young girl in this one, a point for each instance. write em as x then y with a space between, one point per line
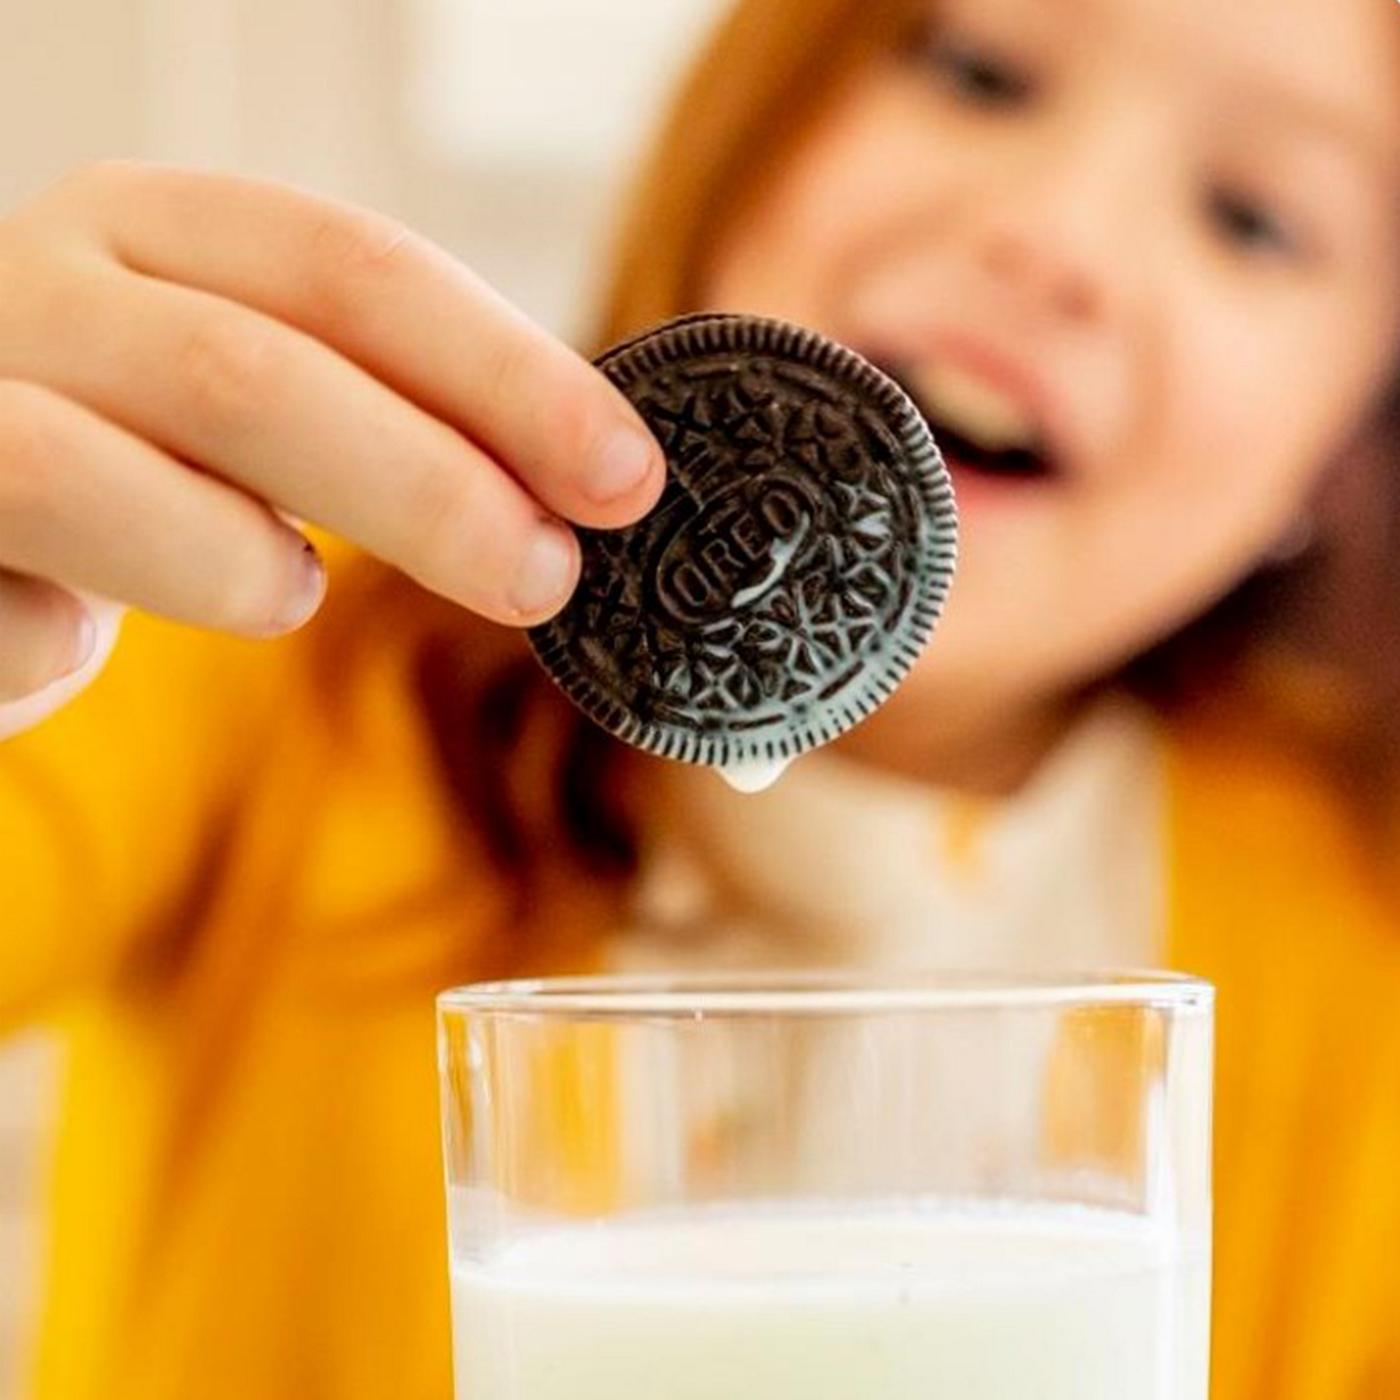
1153 247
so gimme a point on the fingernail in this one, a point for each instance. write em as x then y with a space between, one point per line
308 588
546 572
84 644
622 463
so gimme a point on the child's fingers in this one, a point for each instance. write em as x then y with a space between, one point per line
86 505
282 416
405 311
45 634
34 707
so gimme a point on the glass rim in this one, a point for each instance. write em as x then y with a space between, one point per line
822 992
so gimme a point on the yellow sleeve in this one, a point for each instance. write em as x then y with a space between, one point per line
107 806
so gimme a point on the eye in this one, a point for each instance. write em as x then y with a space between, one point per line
972 72
1249 224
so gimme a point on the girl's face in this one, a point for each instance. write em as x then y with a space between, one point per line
1139 263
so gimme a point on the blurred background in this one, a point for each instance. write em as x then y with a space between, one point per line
501 128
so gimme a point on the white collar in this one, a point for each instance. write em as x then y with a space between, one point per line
841 863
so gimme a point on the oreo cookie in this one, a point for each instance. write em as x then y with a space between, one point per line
794 567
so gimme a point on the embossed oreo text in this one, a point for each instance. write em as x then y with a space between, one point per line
775 566
728 555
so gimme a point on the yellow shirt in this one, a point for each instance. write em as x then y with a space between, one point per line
239 899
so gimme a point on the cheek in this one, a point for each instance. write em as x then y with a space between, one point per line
1239 415
1257 411
1264 378
1231 450
1053 596
1194 506
855 178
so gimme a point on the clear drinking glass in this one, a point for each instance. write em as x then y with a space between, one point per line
812 1187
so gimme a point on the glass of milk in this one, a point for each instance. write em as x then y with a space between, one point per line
829 1187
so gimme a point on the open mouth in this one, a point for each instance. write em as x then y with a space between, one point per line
977 427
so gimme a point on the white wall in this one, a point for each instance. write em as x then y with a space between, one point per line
498 126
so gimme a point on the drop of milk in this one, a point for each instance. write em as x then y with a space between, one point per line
755 775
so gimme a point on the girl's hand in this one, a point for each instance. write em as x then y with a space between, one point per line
190 361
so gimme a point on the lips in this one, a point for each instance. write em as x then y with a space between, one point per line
981 425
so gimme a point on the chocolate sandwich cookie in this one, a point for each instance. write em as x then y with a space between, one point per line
794 567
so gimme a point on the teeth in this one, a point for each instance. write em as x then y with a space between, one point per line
975 410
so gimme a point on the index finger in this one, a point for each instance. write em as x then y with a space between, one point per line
403 309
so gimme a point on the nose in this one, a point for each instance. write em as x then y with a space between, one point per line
1052 230
1041 273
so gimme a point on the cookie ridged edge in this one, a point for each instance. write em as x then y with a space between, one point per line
711 333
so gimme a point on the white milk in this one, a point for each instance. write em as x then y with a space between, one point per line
921 1303
755 775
